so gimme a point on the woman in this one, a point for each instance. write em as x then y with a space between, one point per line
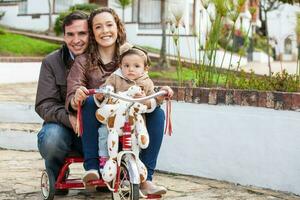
90 70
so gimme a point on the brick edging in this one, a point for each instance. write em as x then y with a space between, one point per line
21 59
214 96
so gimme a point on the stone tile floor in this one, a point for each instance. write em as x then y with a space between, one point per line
20 173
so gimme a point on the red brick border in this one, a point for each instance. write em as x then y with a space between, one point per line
213 96
21 59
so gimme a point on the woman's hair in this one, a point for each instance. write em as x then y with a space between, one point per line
93 45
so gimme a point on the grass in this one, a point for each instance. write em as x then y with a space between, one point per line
18 45
150 49
188 74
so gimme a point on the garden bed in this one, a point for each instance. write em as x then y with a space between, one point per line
268 99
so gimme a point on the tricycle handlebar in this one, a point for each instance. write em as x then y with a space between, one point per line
110 93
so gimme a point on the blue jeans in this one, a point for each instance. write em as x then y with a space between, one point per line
55 141
155 127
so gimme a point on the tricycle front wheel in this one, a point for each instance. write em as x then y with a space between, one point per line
126 190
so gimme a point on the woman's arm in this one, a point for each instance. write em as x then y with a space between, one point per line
76 84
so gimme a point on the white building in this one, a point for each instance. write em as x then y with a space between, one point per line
31 15
282 26
142 19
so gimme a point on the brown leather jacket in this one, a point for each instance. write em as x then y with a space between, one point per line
52 87
89 76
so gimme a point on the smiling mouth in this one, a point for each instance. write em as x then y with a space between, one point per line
105 37
78 47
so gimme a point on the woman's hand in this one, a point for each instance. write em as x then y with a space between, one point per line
79 97
169 94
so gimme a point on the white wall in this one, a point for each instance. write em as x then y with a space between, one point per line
245 145
11 18
37 6
188 45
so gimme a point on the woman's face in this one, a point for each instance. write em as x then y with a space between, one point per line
105 29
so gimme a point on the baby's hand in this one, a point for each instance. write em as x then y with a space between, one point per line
99 96
146 102
169 94
139 95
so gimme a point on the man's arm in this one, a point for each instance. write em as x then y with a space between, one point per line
49 104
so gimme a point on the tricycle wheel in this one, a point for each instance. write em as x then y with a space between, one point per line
126 190
48 185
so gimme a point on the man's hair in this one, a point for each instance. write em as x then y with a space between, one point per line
76 15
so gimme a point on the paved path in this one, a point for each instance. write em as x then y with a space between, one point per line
29 71
262 68
20 170
20 178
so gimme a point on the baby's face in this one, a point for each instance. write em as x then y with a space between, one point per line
132 66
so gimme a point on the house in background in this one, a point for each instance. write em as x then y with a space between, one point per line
281 27
32 15
142 20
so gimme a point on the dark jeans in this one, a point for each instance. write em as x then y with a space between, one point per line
55 141
155 127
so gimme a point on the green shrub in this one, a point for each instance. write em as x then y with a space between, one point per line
2 31
260 44
285 82
86 7
58 23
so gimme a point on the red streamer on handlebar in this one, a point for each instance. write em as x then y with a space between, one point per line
79 128
79 120
168 128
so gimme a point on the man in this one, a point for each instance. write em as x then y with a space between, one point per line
57 137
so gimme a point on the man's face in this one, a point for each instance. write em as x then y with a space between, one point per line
77 36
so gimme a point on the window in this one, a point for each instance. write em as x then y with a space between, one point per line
135 6
23 7
62 5
288 46
149 14
192 18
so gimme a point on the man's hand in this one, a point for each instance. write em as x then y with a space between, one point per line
73 122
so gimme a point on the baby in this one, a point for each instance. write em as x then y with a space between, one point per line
134 66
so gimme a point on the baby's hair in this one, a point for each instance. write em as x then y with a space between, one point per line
128 49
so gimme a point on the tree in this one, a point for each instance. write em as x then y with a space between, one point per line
163 62
298 43
124 4
50 26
